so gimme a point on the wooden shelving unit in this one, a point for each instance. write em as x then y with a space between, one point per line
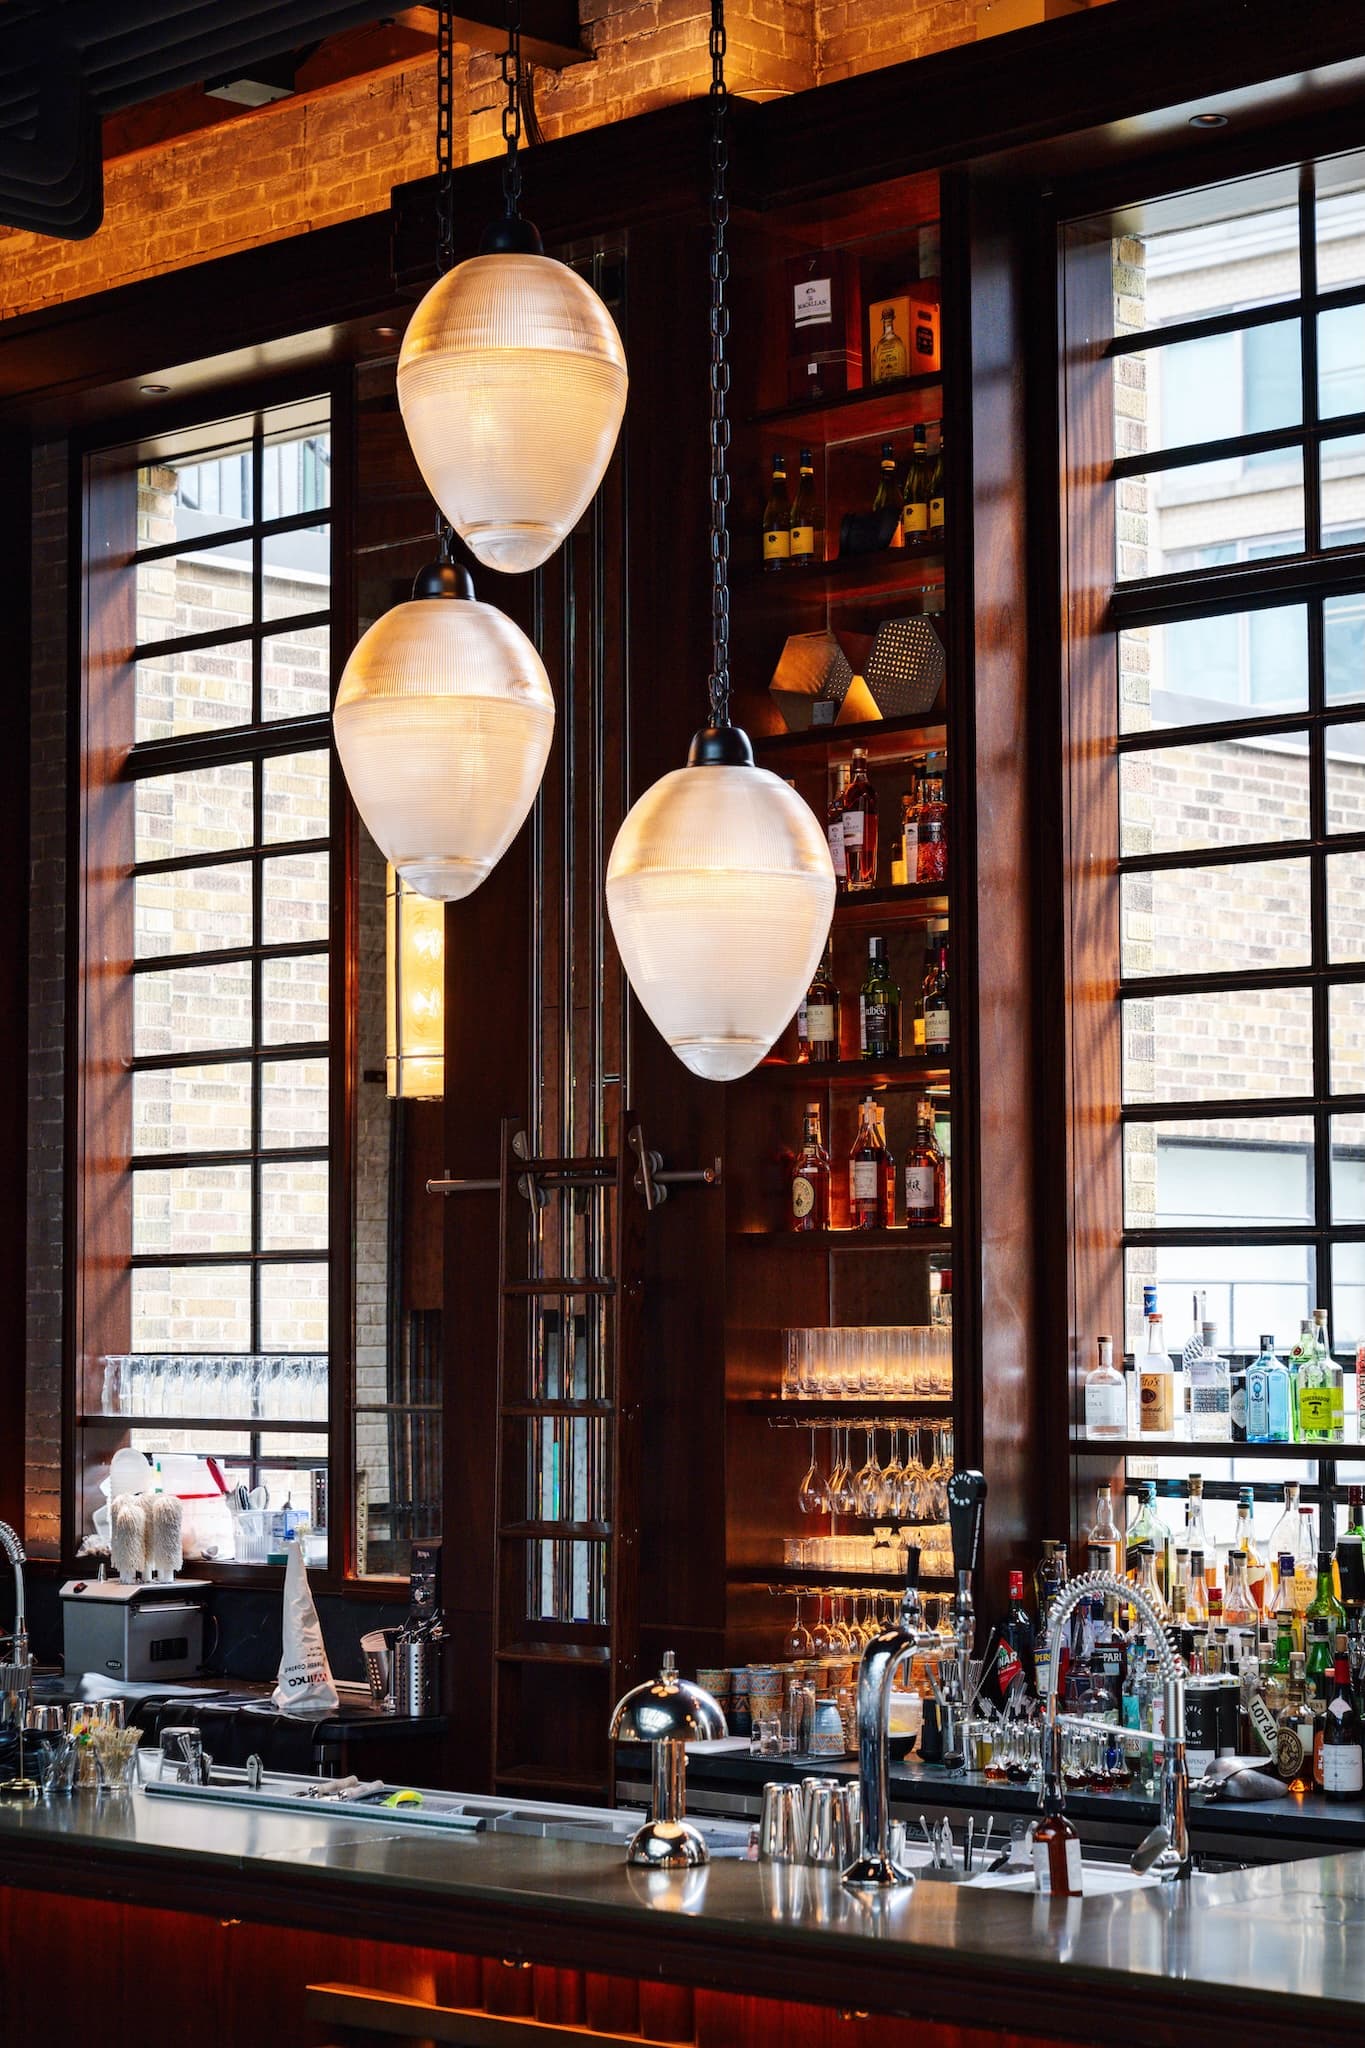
871 409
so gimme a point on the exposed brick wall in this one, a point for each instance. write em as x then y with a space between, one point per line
328 156
47 1001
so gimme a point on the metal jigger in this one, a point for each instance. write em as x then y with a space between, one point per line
668 1713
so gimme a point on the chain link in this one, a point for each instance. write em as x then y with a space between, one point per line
510 66
720 378
445 134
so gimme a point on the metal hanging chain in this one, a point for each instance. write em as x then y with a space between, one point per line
445 135
510 65
720 379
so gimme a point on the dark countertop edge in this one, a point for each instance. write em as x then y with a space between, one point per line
792 1964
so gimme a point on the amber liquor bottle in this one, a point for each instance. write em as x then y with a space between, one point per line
817 1020
1056 1844
865 1189
860 826
834 827
810 1178
886 1168
924 1175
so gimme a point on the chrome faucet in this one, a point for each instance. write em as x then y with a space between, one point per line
881 1660
14 1551
1166 1850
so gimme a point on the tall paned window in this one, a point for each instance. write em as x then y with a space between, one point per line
1217 812
204 1305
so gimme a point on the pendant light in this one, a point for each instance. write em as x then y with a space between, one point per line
720 885
511 377
443 722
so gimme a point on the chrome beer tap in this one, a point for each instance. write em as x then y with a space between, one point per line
881 1660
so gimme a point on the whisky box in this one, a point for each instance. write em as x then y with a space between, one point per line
824 325
925 337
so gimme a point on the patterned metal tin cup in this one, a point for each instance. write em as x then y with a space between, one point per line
827 1728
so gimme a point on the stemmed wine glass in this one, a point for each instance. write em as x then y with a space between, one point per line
813 1498
797 1641
842 1498
867 1487
820 1642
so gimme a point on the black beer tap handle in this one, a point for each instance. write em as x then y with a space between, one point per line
966 1508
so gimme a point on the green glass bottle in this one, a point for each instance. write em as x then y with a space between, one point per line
879 1007
1325 1606
915 502
888 498
777 519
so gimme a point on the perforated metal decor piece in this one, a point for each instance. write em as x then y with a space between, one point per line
906 667
813 668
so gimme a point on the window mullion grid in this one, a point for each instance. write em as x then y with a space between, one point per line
1308 363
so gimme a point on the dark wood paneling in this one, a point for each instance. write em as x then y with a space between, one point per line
16 569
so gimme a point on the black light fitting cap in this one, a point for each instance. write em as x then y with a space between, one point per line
510 235
443 578
720 746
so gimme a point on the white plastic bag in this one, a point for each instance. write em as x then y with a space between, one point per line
305 1683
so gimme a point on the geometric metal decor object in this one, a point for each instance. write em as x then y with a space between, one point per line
813 669
906 667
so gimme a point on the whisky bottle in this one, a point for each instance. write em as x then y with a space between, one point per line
810 1178
905 851
915 502
934 1003
879 1007
860 826
890 358
777 519
1342 1776
924 1175
819 1015
936 495
1105 1404
931 853
1294 1738
807 520
865 1200
1056 1844
834 828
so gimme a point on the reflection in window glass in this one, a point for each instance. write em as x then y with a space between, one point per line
1341 361
1340 234
1199 507
1343 632
1348 1169
296 572
1345 751
1218 1171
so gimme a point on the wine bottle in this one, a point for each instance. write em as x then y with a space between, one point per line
777 519
807 520
864 1172
810 1178
879 1007
888 496
924 1175
915 501
1342 1776
860 826
936 495
934 1004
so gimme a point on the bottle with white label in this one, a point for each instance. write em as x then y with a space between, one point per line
817 1020
1210 1392
1105 1403
935 1015
834 827
1057 1870
1343 1766
924 1175
865 1172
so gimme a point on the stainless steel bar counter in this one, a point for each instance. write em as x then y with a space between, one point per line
1277 1950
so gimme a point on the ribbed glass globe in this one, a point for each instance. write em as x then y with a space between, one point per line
443 722
512 386
720 890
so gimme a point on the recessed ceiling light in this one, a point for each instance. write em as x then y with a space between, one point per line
153 390
1208 120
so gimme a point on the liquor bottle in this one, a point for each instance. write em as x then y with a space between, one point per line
1294 1737
1146 1526
1197 1590
1158 1383
1147 1581
943 1138
886 1172
1244 1539
1302 1355
1057 1868
777 519
864 1173
1014 1657
1104 1398
1210 1392
1325 1606
1336 1378
1355 1511
1050 1575
888 497
931 852
915 501
905 850
1270 1415
1341 1734
1104 1530
860 826
889 358
934 1002
1315 1387
1196 1530
1284 1537
879 1007
924 1175
810 1178
1288 1616
834 827
936 495
1240 1611
819 1041
1284 1633
807 520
